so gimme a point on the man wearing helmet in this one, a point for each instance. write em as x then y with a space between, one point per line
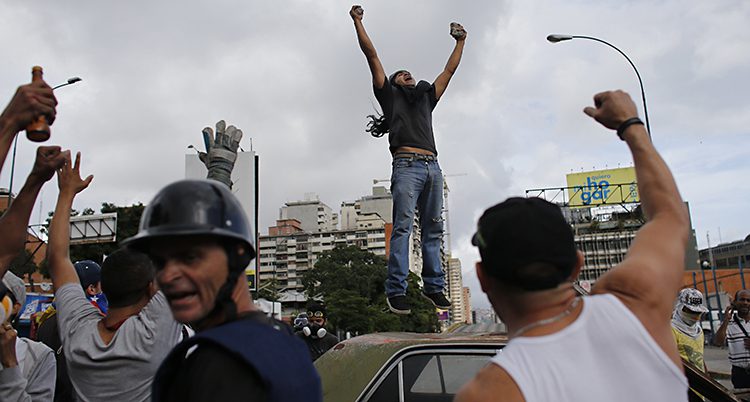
416 178
112 357
201 242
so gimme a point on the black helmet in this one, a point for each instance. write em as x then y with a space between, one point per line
196 207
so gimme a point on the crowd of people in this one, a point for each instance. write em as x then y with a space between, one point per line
167 317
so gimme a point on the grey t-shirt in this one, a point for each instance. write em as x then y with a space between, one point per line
33 380
123 369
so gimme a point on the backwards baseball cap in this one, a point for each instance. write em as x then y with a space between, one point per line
89 272
392 77
692 299
526 243
16 287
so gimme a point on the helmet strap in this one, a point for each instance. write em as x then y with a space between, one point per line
224 302
224 306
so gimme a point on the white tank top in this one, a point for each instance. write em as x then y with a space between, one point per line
604 355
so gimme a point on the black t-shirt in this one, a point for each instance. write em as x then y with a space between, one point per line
318 346
409 114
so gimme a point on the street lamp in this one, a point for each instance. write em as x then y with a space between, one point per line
70 81
706 265
554 38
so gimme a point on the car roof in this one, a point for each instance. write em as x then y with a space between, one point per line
348 367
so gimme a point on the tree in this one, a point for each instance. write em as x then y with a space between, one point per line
128 219
23 264
268 290
351 283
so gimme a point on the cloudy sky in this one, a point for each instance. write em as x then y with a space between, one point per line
291 76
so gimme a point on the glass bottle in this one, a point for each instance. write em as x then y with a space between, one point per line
37 130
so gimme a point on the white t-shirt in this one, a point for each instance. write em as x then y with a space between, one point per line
123 369
738 354
604 355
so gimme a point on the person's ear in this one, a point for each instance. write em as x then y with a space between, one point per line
484 281
152 289
579 265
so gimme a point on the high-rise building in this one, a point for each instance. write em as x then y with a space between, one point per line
307 228
455 291
467 305
313 215
288 252
380 203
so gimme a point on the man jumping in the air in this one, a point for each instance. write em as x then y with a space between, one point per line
416 179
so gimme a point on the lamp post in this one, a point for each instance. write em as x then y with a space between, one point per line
70 81
554 38
710 310
707 265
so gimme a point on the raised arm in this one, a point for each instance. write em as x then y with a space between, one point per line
441 82
15 221
30 101
720 338
651 274
58 250
376 68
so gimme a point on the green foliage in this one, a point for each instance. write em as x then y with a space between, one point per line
351 283
128 219
268 290
23 264
44 269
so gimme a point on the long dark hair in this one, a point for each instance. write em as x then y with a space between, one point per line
378 125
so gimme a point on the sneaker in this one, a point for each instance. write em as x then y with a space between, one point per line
438 299
398 304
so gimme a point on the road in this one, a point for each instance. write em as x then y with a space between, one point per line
718 365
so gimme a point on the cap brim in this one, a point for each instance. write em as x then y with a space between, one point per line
697 309
475 239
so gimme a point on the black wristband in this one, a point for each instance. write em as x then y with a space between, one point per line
627 123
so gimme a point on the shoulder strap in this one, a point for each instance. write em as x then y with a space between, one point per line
739 324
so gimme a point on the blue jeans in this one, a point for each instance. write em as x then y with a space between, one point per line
416 184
